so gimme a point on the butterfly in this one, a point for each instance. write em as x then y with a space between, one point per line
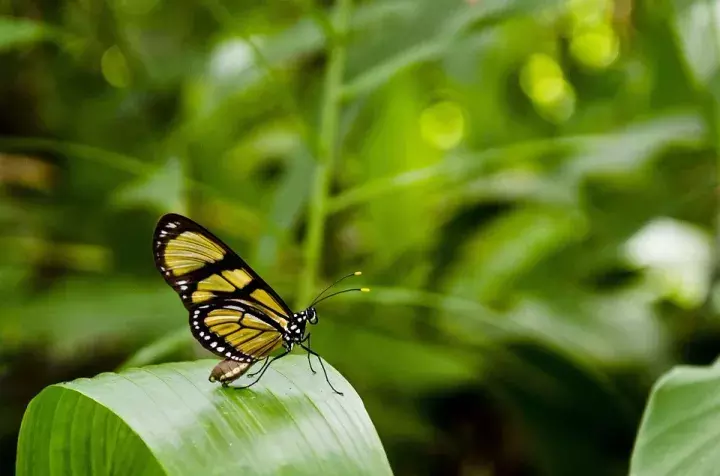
233 312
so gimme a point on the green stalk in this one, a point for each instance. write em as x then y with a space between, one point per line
327 152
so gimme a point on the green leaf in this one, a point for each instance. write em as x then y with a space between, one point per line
437 40
169 419
164 189
159 349
696 27
75 305
16 32
678 433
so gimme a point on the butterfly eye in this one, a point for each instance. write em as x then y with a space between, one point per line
312 316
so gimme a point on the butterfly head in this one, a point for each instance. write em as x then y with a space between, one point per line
311 315
296 327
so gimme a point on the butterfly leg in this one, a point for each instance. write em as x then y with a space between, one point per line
307 338
264 368
327 379
252 374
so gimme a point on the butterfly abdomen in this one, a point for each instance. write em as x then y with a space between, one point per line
228 370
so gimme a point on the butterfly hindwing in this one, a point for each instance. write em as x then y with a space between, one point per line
201 269
235 332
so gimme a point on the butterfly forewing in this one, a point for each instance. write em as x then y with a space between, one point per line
201 269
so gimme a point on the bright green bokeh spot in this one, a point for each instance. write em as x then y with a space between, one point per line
115 68
595 47
443 125
543 81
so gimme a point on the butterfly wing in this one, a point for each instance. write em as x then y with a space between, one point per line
201 269
235 332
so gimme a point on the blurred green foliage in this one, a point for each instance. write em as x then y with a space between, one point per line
527 185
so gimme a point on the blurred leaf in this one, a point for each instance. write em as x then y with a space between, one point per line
463 315
113 160
678 433
511 246
613 330
16 32
621 153
570 410
696 25
158 350
164 189
288 205
388 360
133 167
239 63
79 314
383 72
395 145
169 419
630 150
402 48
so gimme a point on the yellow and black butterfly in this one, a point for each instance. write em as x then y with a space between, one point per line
233 312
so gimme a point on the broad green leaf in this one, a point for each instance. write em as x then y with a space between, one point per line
678 433
169 419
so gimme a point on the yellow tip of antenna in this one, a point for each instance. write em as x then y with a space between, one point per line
365 290
357 273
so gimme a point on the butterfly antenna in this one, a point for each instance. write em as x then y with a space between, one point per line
315 301
365 290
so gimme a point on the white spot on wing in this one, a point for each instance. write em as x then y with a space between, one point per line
213 344
221 349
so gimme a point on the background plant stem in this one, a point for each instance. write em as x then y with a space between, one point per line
326 153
